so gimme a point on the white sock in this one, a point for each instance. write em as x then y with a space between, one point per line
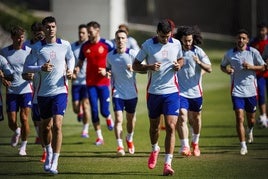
85 127
195 139
155 147
99 134
17 131
185 142
23 145
120 143
130 136
243 144
250 130
49 150
55 161
168 158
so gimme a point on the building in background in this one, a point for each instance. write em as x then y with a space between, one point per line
69 14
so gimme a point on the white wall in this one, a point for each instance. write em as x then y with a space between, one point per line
71 13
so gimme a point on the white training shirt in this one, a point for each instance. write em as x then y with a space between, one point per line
5 68
165 80
189 76
61 56
243 81
16 59
123 81
81 76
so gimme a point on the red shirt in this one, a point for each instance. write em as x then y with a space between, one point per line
95 54
259 45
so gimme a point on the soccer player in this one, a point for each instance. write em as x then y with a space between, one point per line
19 93
94 52
53 60
259 42
79 88
190 81
124 90
163 56
37 35
131 42
6 75
241 63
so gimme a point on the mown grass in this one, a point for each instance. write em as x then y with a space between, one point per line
80 158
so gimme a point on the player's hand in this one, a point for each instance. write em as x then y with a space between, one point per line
6 83
156 66
246 65
47 66
102 71
129 67
28 76
196 59
69 74
177 66
230 70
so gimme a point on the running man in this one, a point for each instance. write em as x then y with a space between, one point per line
6 75
53 60
79 88
163 56
124 90
259 42
19 93
241 63
94 52
190 81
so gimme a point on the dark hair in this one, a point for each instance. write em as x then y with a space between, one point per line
17 30
120 31
82 26
242 31
190 30
262 25
164 26
48 19
93 24
36 26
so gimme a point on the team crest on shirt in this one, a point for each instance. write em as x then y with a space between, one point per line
164 53
52 55
101 49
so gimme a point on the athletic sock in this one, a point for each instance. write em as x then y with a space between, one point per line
130 136
155 147
195 139
243 144
185 142
168 158
120 143
85 127
99 134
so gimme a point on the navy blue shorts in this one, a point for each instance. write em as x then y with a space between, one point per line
52 105
191 104
248 104
129 105
79 92
167 104
16 101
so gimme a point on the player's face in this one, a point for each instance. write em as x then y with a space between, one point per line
18 40
121 39
263 32
187 42
93 32
50 29
83 35
242 40
163 38
38 35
